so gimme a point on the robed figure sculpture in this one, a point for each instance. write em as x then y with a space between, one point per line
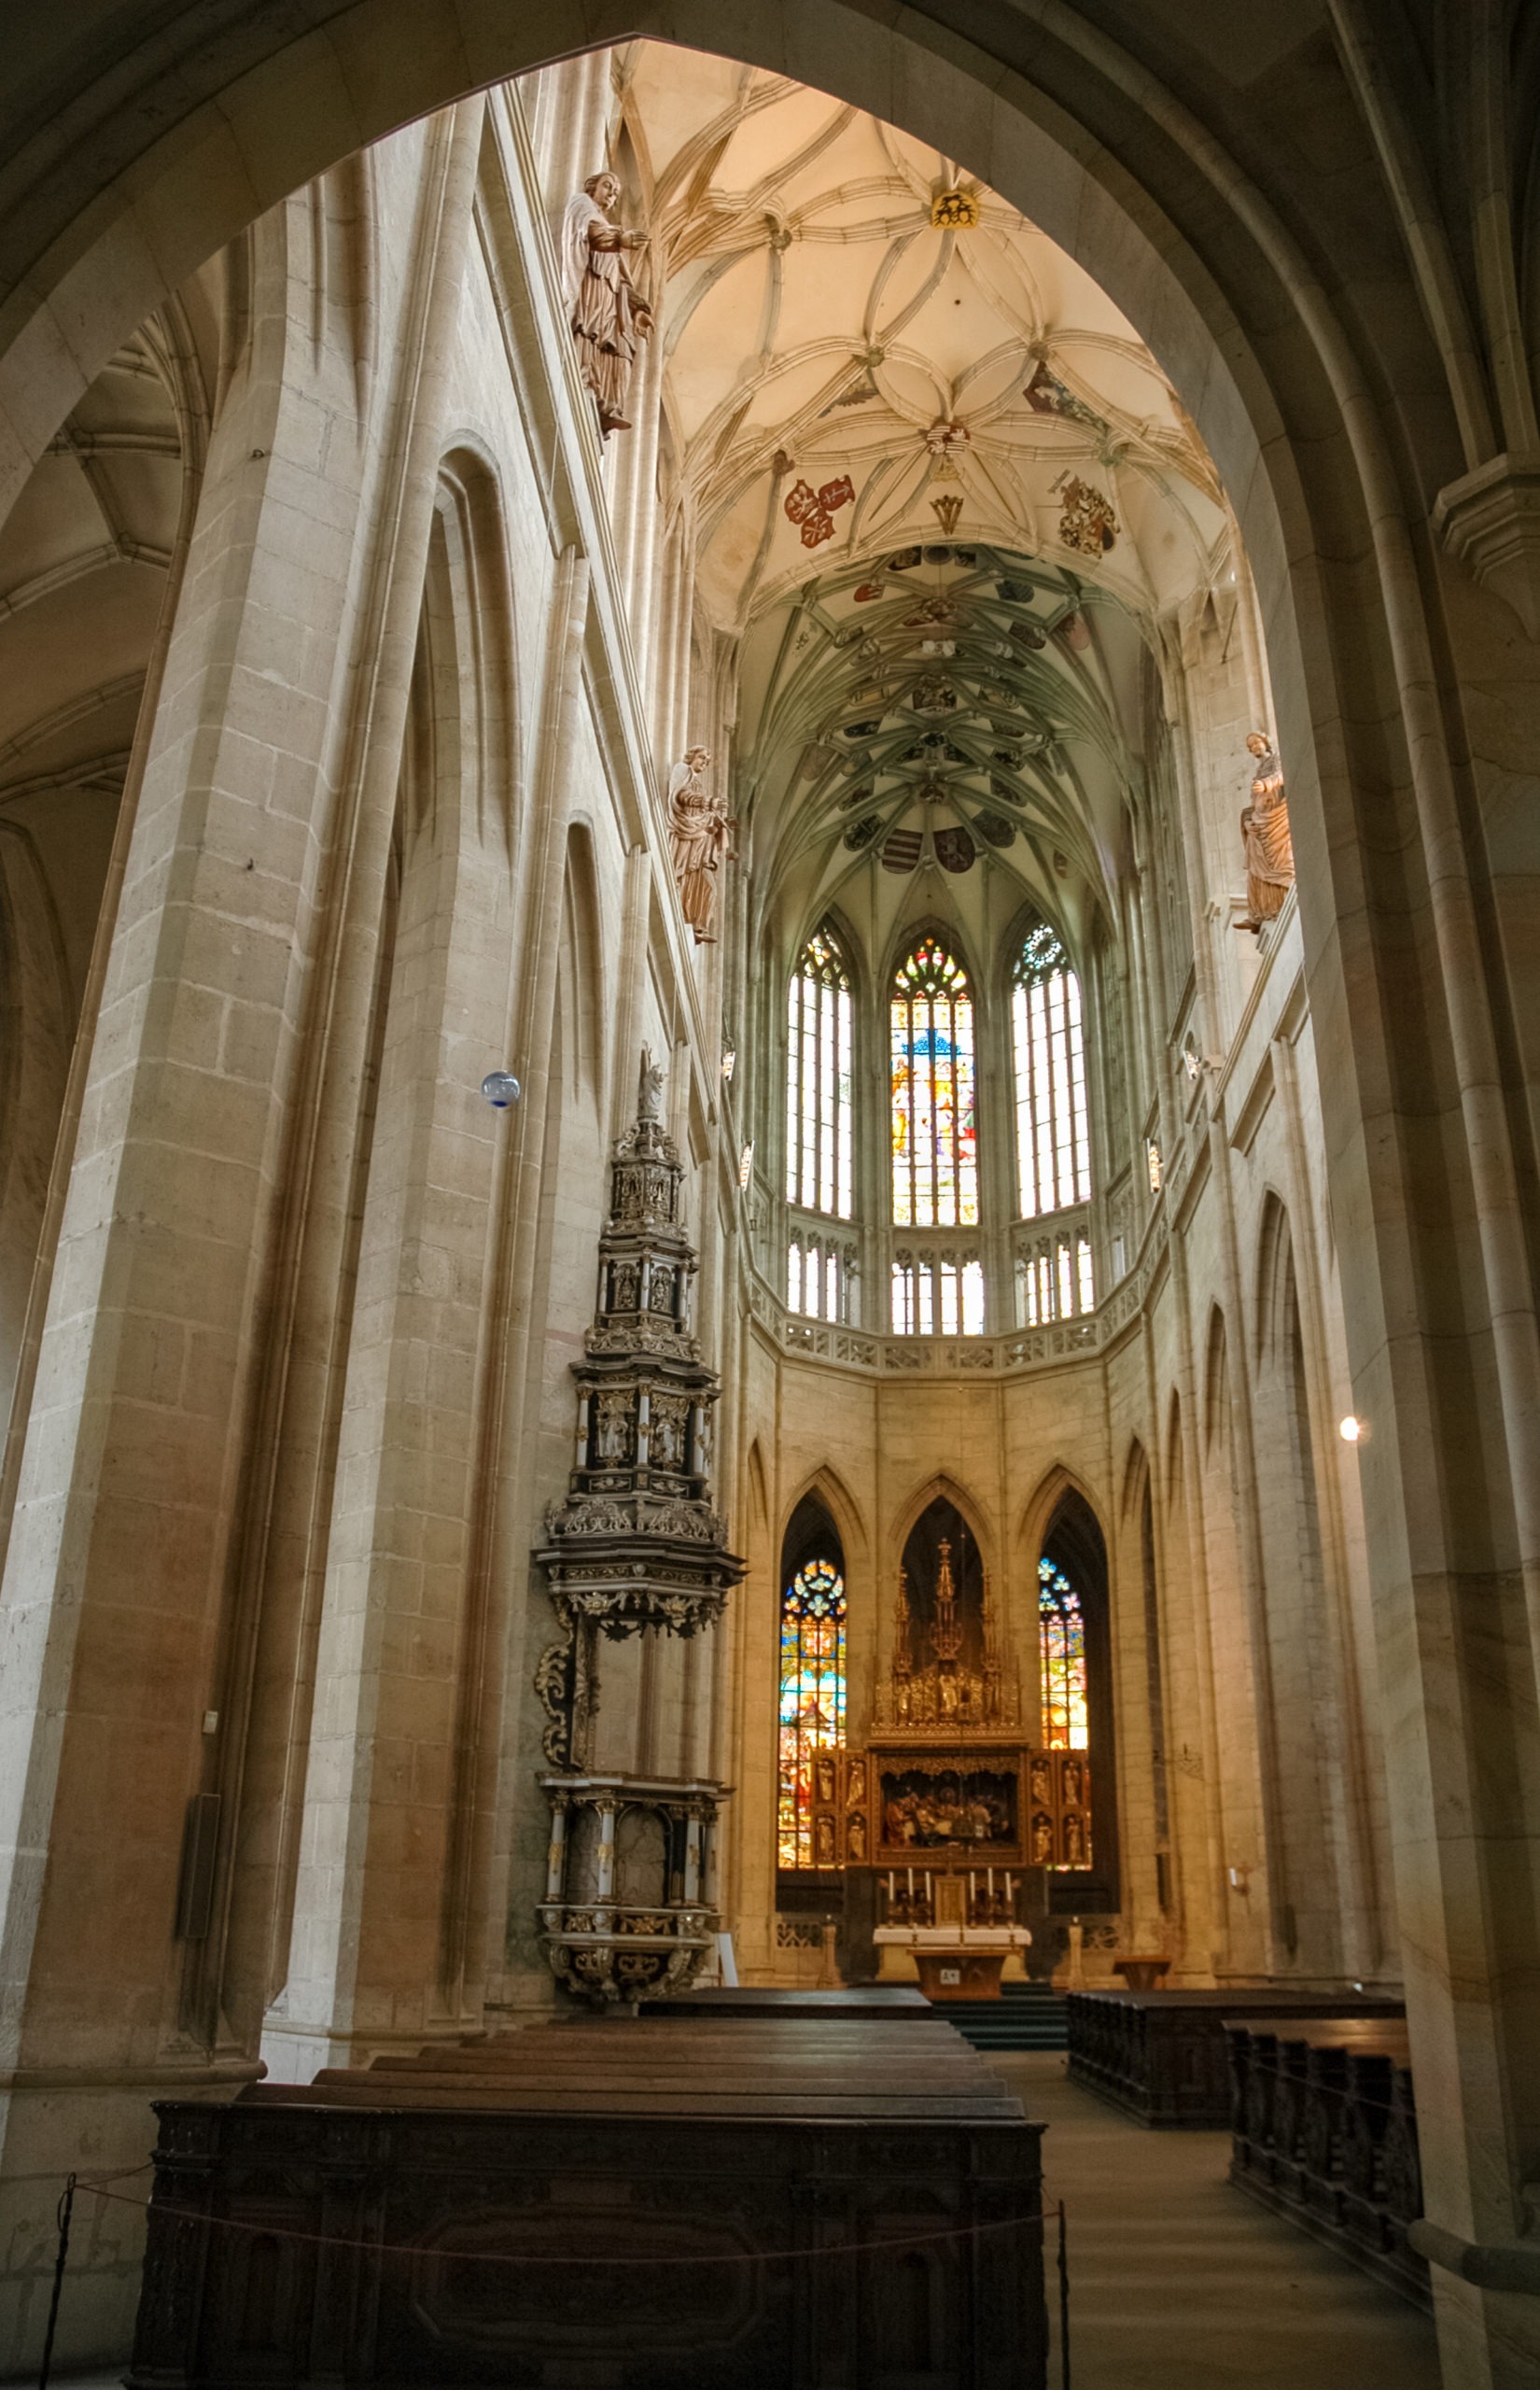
1265 831
699 825
608 313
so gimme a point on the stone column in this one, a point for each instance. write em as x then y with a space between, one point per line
119 1573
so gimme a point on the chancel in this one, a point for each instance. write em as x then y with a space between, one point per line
768 1018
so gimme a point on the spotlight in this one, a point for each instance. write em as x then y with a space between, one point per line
501 1089
1350 1429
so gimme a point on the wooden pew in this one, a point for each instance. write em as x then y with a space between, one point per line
1161 2056
772 2195
1323 2131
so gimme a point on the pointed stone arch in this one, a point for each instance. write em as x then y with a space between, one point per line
825 1486
943 1486
1136 1476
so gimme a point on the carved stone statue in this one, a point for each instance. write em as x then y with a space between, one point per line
1265 831
650 1087
699 826
608 313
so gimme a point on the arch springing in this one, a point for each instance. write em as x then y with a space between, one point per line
1053 1139
812 1698
818 1079
935 1158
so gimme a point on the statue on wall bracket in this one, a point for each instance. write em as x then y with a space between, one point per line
1265 833
699 827
609 317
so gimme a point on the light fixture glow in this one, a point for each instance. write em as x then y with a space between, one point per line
1350 1429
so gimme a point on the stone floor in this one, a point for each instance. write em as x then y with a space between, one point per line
1177 2281
1180 2283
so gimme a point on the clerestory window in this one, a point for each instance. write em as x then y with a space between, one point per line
1053 1138
818 1080
935 1160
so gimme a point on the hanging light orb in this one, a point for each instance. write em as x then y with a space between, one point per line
501 1089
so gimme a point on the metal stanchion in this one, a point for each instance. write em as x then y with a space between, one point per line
1063 2301
66 2209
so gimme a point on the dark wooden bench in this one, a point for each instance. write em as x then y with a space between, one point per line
1323 2131
772 2195
1161 2056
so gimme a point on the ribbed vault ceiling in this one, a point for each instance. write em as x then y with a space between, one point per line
940 498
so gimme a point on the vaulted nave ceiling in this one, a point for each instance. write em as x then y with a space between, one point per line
941 495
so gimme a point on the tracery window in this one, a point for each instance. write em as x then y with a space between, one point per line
818 1080
812 1698
935 1162
1053 1140
1055 1279
1061 1632
937 1295
820 1274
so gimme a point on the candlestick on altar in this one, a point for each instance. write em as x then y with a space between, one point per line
910 1883
991 1883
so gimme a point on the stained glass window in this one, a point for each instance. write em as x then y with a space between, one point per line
818 1080
812 1698
1053 1141
935 1161
1061 1630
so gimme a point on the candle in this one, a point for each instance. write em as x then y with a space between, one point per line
972 1887
910 1883
991 1883
890 1883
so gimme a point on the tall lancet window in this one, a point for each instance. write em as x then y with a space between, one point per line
818 1080
1052 1142
812 1701
935 1161
1061 1634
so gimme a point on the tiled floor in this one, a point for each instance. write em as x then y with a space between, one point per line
1180 2283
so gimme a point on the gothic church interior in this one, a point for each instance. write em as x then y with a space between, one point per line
767 1019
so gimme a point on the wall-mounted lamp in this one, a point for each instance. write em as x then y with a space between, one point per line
746 1163
501 1089
729 1058
1155 1166
1350 1429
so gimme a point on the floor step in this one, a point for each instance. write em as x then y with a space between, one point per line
1026 2017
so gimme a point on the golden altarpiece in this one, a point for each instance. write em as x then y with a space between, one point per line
954 1812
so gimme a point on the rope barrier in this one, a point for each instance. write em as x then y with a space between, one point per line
513 2257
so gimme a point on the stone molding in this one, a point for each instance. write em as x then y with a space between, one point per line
1490 522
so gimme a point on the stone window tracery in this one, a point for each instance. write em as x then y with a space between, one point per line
937 1293
818 1080
1053 1138
820 1273
935 1146
812 1700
